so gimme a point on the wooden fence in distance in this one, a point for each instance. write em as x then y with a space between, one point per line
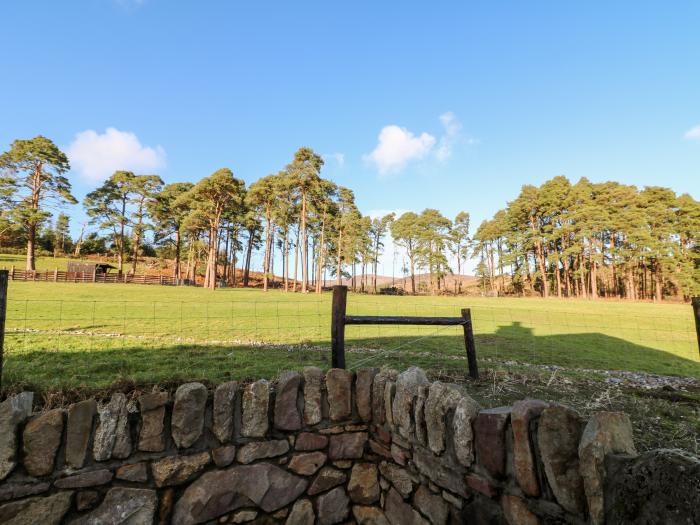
60 276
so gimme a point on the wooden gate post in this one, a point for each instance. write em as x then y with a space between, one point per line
4 277
340 297
469 343
696 314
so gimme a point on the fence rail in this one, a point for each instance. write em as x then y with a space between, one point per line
90 277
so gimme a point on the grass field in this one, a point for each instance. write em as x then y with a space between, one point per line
92 335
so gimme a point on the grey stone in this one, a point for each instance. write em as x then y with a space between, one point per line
78 430
307 463
243 516
10 491
313 381
369 515
419 414
363 392
123 506
659 486
262 449
188 414
400 513
378 415
152 406
137 472
221 491
177 470
14 411
441 399
406 391
333 506
517 512
41 440
363 487
558 436
431 506
465 414
286 413
524 465
389 393
46 510
224 456
443 475
326 479
92 478
399 477
302 513
307 441
606 433
347 446
339 386
256 404
106 431
222 411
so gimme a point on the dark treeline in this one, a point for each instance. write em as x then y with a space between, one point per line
582 240
592 240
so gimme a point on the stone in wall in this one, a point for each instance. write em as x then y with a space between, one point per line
441 399
219 492
333 506
113 418
400 478
516 511
558 436
466 412
658 486
262 449
339 386
400 513
378 398
78 430
313 381
41 440
490 430
419 414
256 404
363 486
47 510
365 515
350 445
327 478
432 506
187 420
286 414
123 506
605 433
177 470
524 464
223 409
407 385
307 463
14 411
363 392
307 441
302 513
151 435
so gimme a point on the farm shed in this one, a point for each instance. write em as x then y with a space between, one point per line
89 267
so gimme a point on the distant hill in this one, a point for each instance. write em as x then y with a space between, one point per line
422 278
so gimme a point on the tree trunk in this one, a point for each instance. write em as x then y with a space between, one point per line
338 269
249 250
285 258
658 282
304 247
31 238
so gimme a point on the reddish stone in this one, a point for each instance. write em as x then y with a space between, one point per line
347 446
308 441
481 485
379 449
489 430
516 511
523 457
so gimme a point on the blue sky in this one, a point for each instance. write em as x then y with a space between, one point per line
451 105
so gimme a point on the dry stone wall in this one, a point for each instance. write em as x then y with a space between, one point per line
371 447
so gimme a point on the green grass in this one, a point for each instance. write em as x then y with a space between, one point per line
64 335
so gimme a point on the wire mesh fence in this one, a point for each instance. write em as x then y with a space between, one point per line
95 342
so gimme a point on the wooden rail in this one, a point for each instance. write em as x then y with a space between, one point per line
88 277
339 320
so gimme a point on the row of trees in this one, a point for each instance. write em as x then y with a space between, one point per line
592 240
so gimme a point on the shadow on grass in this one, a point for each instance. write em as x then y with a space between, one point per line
94 369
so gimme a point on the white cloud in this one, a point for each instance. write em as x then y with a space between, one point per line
397 146
96 156
337 157
693 133
452 128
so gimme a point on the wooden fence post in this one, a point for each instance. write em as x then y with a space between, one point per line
4 277
340 296
55 274
696 313
469 343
